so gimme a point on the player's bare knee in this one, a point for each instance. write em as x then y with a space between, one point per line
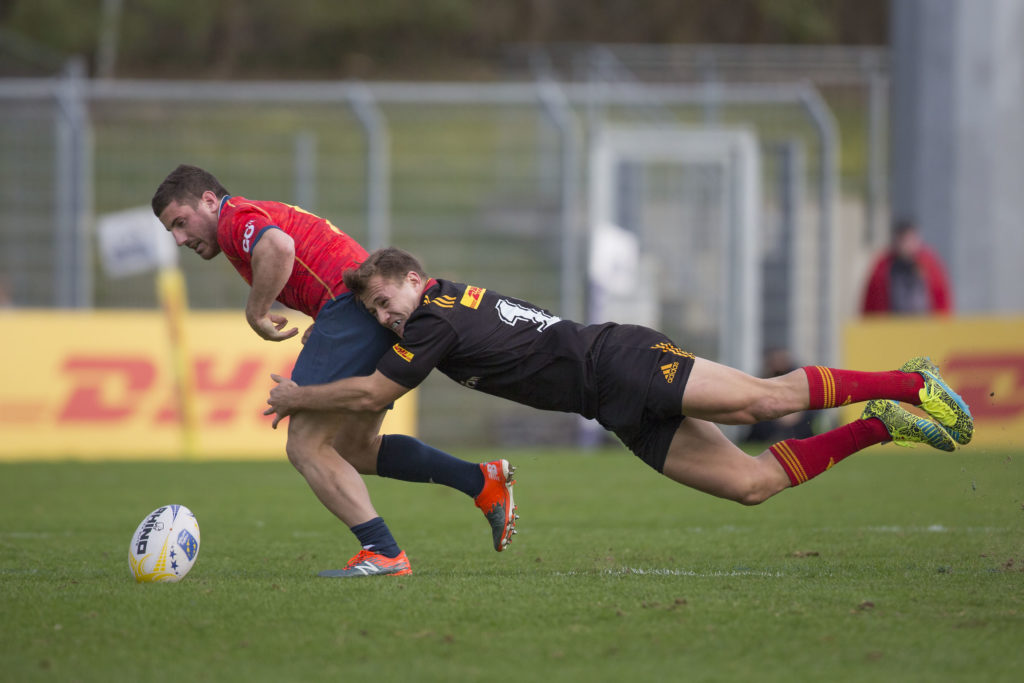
302 446
753 497
752 489
298 452
308 434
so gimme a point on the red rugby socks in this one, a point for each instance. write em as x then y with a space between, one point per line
830 387
805 459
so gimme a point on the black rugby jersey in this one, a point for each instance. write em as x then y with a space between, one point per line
499 345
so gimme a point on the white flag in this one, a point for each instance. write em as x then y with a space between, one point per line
134 241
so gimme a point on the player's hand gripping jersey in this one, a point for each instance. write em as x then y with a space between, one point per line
511 348
322 251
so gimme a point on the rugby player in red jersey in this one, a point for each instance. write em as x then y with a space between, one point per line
661 401
298 259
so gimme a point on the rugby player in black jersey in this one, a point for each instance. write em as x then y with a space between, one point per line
661 401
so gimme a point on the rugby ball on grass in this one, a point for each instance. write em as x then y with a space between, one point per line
165 545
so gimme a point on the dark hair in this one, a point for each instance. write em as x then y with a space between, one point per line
903 226
185 184
391 263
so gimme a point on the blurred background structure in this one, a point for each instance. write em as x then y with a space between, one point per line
958 150
741 151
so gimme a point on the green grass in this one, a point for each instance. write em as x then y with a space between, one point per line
896 566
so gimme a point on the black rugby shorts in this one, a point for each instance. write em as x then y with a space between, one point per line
641 376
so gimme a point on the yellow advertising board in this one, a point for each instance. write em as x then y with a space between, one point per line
982 358
102 385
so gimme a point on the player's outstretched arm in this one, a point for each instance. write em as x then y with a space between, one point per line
371 393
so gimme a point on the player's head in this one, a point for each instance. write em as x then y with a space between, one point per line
388 263
186 185
188 205
390 283
906 240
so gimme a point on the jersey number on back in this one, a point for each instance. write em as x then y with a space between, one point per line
511 313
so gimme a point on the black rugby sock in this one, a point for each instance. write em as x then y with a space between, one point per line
408 459
375 535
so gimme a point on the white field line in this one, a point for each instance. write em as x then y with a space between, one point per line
636 571
876 529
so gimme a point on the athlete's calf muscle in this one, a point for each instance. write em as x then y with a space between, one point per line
719 393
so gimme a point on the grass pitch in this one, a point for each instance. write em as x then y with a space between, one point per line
896 565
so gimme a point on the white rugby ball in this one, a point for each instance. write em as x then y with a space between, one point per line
165 545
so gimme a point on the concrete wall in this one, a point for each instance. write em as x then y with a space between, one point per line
957 140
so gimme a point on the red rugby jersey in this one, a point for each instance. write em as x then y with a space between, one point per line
322 251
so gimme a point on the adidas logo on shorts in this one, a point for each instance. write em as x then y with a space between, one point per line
669 370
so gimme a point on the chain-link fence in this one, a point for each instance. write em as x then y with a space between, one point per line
488 183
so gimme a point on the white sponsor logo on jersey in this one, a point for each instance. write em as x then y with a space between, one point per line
250 228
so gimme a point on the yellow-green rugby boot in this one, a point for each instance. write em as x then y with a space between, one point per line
907 429
941 402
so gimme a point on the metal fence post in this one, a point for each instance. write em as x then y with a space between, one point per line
878 105
556 105
305 170
72 192
828 188
378 159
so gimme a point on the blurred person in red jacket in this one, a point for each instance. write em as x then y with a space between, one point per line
908 277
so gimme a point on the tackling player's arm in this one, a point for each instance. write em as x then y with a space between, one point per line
371 393
427 337
273 257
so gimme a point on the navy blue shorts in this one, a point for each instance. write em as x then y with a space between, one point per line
345 342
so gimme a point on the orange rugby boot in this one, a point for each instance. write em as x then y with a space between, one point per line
496 502
369 563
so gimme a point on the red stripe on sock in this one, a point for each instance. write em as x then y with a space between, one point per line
830 387
804 459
